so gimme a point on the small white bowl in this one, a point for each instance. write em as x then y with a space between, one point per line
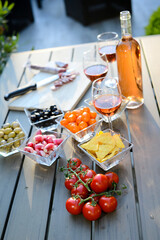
113 161
49 160
12 147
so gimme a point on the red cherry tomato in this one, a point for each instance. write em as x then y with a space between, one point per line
108 204
74 163
80 190
81 168
113 178
70 181
99 183
95 198
91 212
73 207
88 175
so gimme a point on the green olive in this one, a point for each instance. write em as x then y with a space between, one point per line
7 130
5 136
1 133
2 129
1 139
6 125
10 140
11 134
17 130
20 134
15 125
3 142
17 143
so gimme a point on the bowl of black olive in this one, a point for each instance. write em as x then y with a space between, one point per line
44 117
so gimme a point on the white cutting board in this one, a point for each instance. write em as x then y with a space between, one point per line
67 95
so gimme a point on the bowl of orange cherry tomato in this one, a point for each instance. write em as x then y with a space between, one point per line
81 123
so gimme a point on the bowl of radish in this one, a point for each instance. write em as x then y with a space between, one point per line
44 147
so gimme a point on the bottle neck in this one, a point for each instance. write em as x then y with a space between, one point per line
126 28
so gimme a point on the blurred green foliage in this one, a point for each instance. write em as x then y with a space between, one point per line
153 26
8 44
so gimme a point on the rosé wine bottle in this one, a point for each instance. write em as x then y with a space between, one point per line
128 56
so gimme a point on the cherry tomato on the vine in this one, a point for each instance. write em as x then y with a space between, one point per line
96 198
91 211
108 204
74 163
81 168
73 207
99 183
88 175
70 181
113 178
80 190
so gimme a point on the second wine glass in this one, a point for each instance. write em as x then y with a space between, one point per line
107 43
106 97
93 65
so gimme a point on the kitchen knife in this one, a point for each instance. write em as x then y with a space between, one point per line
31 87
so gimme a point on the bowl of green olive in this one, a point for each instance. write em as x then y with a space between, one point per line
12 136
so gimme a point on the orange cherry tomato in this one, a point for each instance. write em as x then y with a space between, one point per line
73 127
86 116
83 125
66 115
77 112
64 122
86 109
71 118
79 119
93 114
92 121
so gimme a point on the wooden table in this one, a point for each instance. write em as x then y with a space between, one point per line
32 197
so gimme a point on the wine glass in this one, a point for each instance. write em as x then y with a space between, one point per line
93 65
107 43
106 97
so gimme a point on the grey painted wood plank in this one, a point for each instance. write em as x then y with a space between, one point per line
151 48
149 100
62 224
34 182
9 169
122 223
32 209
145 133
29 214
10 78
60 218
146 138
10 166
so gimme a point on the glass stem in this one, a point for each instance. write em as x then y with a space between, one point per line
111 68
110 123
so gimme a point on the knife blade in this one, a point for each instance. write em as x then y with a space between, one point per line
31 87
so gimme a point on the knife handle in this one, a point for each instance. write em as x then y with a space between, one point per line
20 91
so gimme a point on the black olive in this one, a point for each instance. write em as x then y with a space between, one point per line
37 115
56 113
45 117
33 118
47 113
41 118
53 108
